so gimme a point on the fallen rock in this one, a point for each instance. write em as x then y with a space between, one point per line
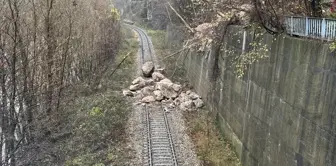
138 80
161 70
137 84
158 76
147 91
198 103
148 69
164 85
184 97
166 101
148 99
128 93
149 82
171 106
177 101
194 96
135 87
188 92
177 87
158 95
187 105
166 82
169 93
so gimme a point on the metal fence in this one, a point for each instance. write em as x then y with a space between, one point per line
327 1
320 28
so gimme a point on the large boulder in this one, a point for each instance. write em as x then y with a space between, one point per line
148 99
176 87
194 96
158 95
198 103
147 91
166 88
157 76
148 69
166 83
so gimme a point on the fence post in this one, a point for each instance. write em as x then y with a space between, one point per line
323 28
307 27
291 26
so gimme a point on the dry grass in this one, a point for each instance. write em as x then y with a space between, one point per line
212 148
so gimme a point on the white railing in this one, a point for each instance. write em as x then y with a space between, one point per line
327 1
320 28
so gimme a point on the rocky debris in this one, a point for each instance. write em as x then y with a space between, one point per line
177 87
135 87
148 69
138 81
157 76
158 95
188 92
128 93
166 83
147 91
169 93
149 82
160 70
148 99
184 97
198 103
193 96
158 88
137 84
187 105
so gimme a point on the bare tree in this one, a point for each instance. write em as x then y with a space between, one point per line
45 46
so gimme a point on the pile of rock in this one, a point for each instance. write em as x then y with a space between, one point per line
155 87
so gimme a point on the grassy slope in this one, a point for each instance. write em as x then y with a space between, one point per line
211 147
96 118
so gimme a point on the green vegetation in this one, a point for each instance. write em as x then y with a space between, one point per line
256 51
332 46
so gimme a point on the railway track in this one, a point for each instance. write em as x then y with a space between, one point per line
146 47
159 145
159 148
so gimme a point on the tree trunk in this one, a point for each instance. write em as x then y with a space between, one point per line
3 110
49 56
12 119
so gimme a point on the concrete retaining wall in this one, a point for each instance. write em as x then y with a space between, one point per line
284 112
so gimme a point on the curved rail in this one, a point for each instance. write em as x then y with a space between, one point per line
144 39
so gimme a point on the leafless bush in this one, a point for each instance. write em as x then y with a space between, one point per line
45 46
